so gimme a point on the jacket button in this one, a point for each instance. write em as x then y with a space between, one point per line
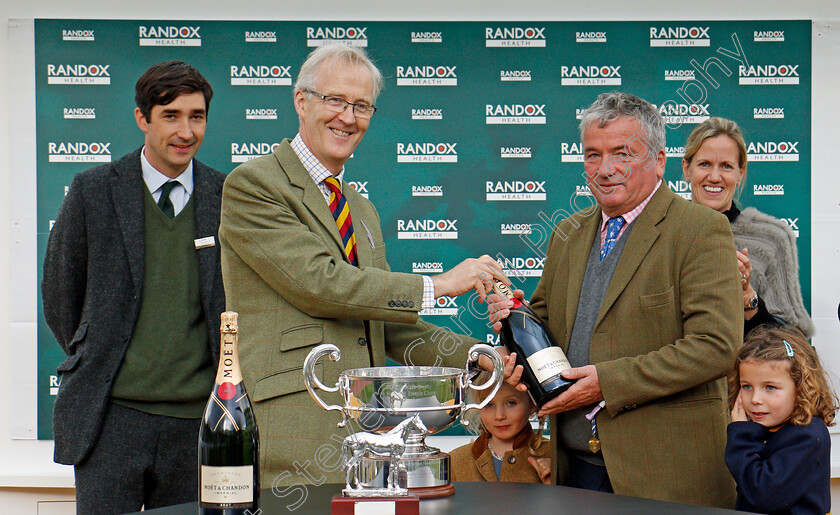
390 303
411 303
511 459
362 342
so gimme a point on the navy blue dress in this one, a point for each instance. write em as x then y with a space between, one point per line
780 472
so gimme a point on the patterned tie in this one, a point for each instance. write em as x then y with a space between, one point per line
341 213
614 226
164 203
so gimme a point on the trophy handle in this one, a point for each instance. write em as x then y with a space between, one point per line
495 382
309 377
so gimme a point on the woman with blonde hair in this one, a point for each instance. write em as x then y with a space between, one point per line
715 164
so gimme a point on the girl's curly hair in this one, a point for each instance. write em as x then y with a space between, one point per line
814 396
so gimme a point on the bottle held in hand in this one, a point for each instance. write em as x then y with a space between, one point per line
525 333
228 441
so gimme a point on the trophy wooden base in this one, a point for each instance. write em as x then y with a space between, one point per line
403 505
432 492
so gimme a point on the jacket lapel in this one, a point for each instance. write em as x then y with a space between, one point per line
312 197
645 232
127 191
361 219
207 204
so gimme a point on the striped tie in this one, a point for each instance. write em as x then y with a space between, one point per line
341 213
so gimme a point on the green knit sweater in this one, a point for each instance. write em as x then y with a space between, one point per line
168 368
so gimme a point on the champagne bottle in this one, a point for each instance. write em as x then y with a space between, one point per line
525 333
228 441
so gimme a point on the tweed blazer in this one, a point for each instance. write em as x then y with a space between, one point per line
286 274
664 340
515 466
92 285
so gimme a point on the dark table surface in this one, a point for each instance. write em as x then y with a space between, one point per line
474 498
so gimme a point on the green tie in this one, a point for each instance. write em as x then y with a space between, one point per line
164 203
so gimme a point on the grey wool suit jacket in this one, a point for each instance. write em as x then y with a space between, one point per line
286 274
92 286
664 340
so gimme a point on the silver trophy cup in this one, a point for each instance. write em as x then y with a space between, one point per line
403 405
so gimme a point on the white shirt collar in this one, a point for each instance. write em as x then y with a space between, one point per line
154 179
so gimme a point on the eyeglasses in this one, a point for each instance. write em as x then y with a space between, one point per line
339 105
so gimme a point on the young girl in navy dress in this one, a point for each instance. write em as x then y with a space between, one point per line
778 445
507 449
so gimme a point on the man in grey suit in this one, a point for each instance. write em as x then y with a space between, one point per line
132 290
300 275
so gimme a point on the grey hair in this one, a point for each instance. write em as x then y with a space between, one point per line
329 55
611 106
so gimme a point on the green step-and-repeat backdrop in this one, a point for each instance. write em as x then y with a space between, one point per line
475 147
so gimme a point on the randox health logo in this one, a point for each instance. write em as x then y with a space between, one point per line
427 267
515 229
681 188
515 152
591 37
78 35
427 114
426 76
768 75
679 36
156 35
261 75
766 36
515 75
594 75
243 152
447 306
431 190
79 113
260 114
680 75
260 36
514 190
79 74
769 189
773 151
514 114
571 152
79 152
427 37
427 153
516 37
675 113
522 267
353 36
427 230
360 187
769 112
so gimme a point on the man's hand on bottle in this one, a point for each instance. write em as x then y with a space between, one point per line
470 274
585 391
498 308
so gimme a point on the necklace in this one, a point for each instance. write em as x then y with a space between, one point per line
493 453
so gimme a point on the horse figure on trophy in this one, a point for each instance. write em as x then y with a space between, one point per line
387 445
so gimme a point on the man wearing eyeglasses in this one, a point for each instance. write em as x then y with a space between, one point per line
303 261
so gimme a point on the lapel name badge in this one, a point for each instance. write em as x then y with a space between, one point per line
203 243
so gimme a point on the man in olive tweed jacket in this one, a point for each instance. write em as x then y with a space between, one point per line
657 342
286 273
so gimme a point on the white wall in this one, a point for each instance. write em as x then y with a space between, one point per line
28 463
